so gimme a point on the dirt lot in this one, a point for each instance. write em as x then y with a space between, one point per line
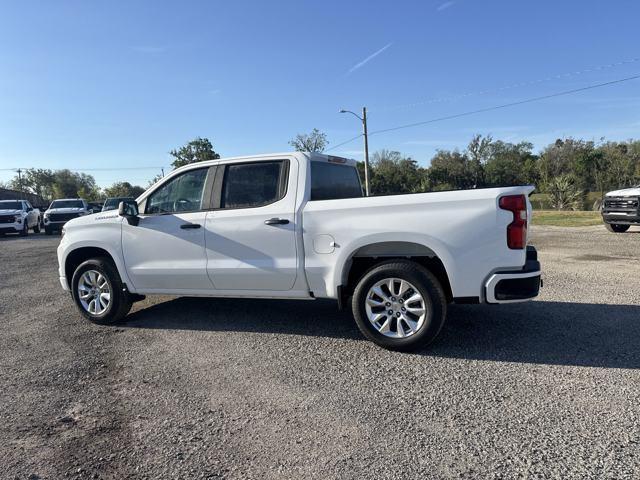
202 388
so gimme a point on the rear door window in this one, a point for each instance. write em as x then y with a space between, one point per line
250 185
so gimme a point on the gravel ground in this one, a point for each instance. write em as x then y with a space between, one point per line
204 388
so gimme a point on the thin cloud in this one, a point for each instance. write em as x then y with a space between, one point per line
444 6
368 59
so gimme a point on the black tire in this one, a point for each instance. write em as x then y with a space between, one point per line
36 229
119 304
47 231
612 227
427 285
25 229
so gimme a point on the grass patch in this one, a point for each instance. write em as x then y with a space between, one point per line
566 218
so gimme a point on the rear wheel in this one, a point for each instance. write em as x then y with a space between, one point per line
399 305
47 231
612 227
36 229
99 293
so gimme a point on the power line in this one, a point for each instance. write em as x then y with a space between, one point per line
496 107
344 143
505 105
109 169
508 87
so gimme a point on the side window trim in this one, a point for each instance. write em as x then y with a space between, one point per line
218 188
206 192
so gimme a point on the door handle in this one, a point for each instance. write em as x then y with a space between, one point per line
276 221
188 226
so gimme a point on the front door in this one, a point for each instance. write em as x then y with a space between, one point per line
251 233
165 251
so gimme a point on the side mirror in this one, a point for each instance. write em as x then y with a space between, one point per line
129 210
29 209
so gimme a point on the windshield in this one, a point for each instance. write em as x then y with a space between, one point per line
10 205
67 204
113 203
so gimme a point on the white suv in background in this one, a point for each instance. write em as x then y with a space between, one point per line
63 210
18 216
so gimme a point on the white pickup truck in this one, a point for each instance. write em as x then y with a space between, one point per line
18 216
296 226
621 209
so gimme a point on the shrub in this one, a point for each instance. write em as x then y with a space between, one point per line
563 193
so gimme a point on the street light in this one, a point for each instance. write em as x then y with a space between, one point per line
363 119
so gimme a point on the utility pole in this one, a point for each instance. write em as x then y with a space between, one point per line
20 184
365 134
366 151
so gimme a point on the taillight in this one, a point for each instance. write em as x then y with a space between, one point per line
517 230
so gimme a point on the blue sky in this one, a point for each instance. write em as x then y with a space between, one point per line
109 84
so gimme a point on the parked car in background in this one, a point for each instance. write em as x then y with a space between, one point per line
621 209
296 226
18 216
95 207
63 210
112 203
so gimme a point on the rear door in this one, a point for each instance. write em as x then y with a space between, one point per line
165 250
251 231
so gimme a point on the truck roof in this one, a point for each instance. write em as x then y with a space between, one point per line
311 156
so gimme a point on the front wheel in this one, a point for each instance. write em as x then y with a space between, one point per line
399 305
36 228
25 229
98 292
616 228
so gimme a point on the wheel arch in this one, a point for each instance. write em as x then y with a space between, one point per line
367 256
78 255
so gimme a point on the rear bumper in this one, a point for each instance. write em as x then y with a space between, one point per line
515 285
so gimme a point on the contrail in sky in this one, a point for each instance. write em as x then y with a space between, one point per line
368 59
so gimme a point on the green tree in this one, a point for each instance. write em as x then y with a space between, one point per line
123 189
510 164
68 184
478 154
449 170
316 141
38 181
391 172
197 150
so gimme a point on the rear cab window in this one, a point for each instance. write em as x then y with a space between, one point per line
331 181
